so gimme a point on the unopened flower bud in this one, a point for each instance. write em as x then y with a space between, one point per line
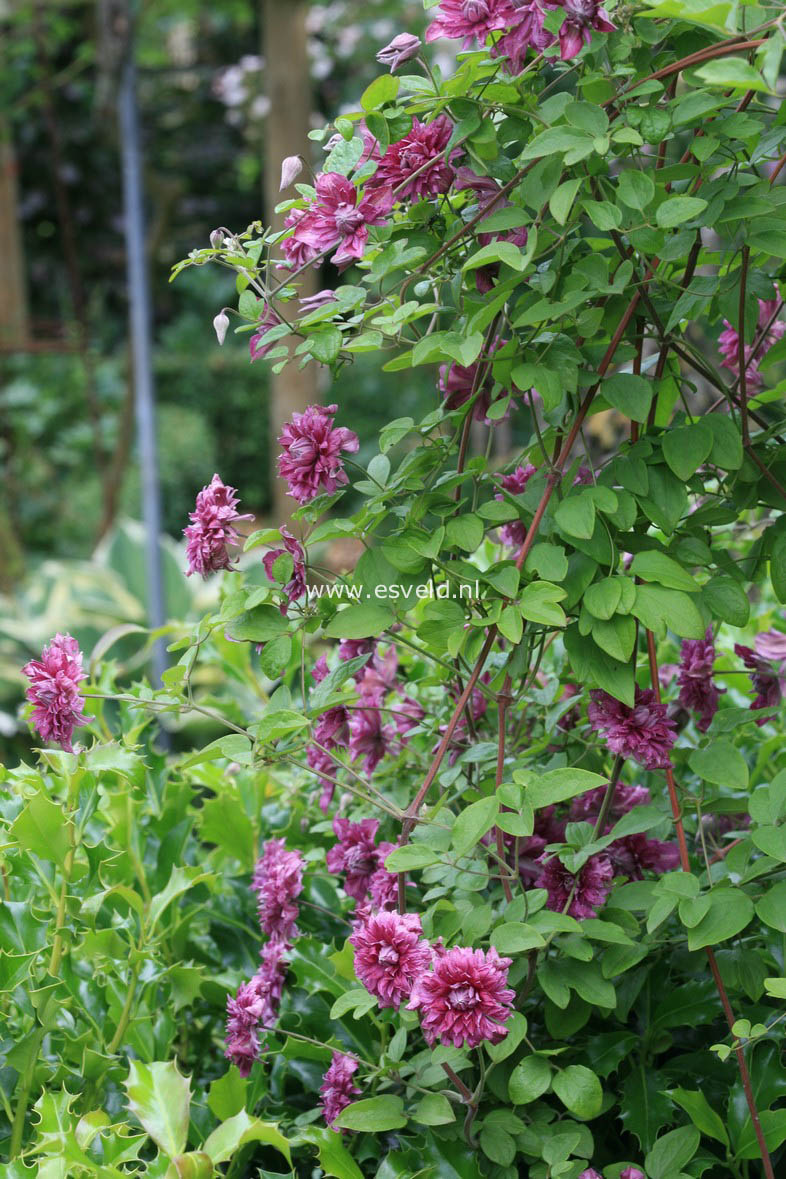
217 239
402 48
220 325
291 168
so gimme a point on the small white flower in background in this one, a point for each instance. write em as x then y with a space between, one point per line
291 168
220 324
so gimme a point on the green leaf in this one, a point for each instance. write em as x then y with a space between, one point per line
497 1145
579 1090
727 600
778 567
41 828
772 841
514 937
771 907
557 139
653 565
636 189
679 209
180 881
561 200
685 448
671 1152
603 597
630 394
275 656
472 824
560 785
726 450
575 516
410 857
773 1124
499 251
227 1095
730 911
240 1129
529 1080
464 532
373 1114
658 608
701 1113
160 1098
603 215
769 241
360 622
734 73
358 1000
325 344
548 561
538 602
279 723
517 1030
722 763
258 625
334 1158
434 1110
381 91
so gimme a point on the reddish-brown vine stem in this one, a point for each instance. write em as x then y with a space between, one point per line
503 701
713 964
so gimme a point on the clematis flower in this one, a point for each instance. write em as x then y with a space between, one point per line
526 32
322 763
470 20
54 690
351 648
590 1173
632 1173
338 1090
768 667
464 998
587 889
296 586
698 692
278 880
332 728
587 806
633 855
255 1005
390 955
402 48
321 299
383 885
580 17
337 218
310 460
320 670
368 737
355 856
513 534
645 732
212 529
416 167
729 345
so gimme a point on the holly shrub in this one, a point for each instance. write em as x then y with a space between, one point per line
475 860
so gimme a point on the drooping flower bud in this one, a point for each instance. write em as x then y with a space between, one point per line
291 168
220 325
217 239
402 48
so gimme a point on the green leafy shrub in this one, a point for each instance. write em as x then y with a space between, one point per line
510 795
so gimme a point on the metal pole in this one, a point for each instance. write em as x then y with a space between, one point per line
140 321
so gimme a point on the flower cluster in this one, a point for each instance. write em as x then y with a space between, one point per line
645 732
767 663
212 530
310 460
277 882
521 26
698 691
338 1090
54 690
768 331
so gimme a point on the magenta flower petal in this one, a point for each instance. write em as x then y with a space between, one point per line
54 690
390 955
464 999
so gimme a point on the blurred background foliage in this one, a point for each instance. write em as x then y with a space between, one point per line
69 482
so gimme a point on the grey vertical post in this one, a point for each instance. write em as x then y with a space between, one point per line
140 324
